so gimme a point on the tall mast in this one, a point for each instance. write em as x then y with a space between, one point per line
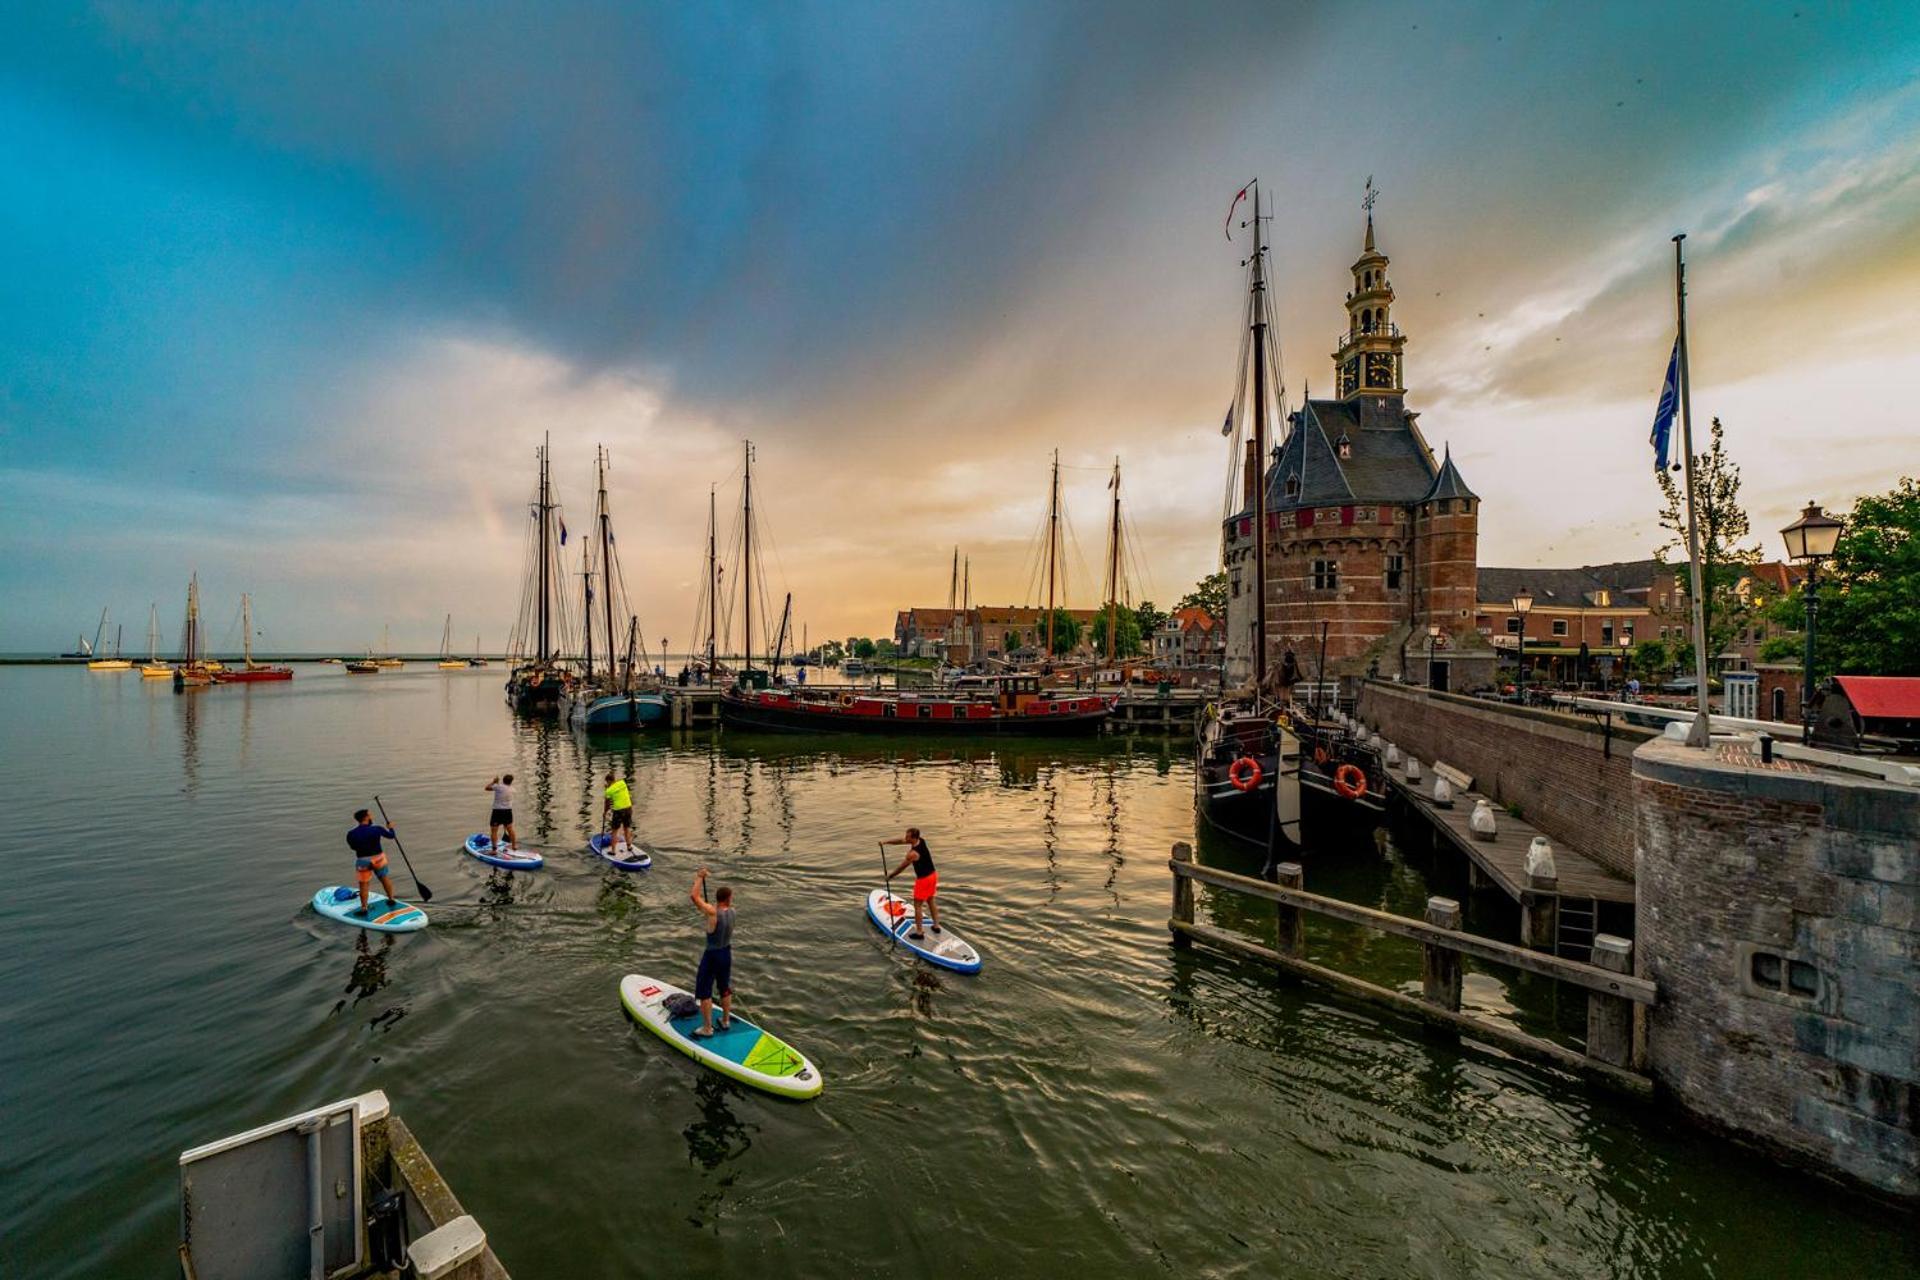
953 583
713 590
153 632
246 626
1053 543
544 505
606 556
192 646
586 604
1259 450
746 553
966 585
99 634
119 632
1113 566
1699 734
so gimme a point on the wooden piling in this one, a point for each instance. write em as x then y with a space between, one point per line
1540 912
1182 895
1440 974
1289 936
1610 1018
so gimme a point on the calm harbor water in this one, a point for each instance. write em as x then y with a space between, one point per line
1093 1104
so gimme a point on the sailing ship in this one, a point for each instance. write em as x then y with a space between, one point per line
476 660
101 662
251 672
1246 758
386 658
447 661
192 672
539 673
153 668
618 695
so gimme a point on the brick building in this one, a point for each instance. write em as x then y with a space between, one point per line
1190 638
983 632
1368 533
1598 612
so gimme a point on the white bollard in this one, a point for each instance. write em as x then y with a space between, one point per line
1442 792
1393 756
1540 860
1413 769
1482 822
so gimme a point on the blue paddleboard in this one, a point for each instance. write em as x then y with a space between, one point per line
638 857
946 948
499 856
383 914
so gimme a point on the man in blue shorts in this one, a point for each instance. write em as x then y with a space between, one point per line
716 962
369 860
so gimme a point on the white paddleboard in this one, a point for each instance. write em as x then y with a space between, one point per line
947 949
383 914
496 855
637 857
743 1051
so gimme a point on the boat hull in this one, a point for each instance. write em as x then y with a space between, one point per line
259 675
737 712
617 711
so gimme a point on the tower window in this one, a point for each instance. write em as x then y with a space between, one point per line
1326 575
1344 446
1293 486
1396 568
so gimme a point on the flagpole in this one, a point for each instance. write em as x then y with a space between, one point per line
1700 734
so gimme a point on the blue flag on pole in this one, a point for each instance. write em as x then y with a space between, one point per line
1663 416
563 523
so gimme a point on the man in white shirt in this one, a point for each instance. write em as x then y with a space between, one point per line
502 815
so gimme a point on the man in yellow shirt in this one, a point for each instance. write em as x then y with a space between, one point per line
619 803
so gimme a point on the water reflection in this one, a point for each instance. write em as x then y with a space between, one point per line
718 1136
189 704
369 972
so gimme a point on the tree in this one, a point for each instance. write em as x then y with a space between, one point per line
1723 526
1785 648
884 647
1066 632
1869 594
1651 656
1126 634
863 648
1209 594
1010 642
1148 619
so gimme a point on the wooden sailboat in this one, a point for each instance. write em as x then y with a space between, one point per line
192 671
251 672
447 661
107 662
386 658
153 668
536 681
620 695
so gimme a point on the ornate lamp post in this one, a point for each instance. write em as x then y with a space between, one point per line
1433 638
1522 606
1811 539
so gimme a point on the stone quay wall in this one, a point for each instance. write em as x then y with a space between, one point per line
1779 913
1565 773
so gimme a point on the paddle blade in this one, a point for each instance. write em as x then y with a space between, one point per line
426 894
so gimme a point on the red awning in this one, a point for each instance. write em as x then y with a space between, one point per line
1883 697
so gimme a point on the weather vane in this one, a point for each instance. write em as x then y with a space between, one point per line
1372 195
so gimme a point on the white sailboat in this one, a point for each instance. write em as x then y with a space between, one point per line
447 661
102 662
153 668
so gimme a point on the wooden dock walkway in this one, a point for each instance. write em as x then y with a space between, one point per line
1561 916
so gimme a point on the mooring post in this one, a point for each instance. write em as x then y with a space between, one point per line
1540 912
1439 967
1610 1018
1182 893
1289 937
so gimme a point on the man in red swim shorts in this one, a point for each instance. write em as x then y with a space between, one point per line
926 881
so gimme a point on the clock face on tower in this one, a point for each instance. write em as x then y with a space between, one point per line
1380 369
1350 376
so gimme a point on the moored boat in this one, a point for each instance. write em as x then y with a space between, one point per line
536 680
193 672
112 662
362 667
250 672
1018 705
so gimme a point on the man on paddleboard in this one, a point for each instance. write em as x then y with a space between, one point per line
925 879
369 860
716 962
619 802
502 815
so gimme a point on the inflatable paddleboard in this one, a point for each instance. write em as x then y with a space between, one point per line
383 915
946 948
742 1051
637 858
513 859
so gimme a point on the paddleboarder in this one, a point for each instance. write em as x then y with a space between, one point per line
502 815
716 962
369 860
618 801
925 879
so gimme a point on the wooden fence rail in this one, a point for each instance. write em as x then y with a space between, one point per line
1612 991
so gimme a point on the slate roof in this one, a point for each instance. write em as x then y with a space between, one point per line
1448 483
1569 588
1389 461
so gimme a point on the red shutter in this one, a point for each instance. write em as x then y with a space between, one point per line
1346 515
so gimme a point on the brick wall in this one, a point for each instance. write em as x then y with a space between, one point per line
1753 881
1560 770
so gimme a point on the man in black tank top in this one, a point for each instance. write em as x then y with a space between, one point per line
716 962
926 881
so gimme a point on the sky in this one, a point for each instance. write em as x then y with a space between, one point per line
290 293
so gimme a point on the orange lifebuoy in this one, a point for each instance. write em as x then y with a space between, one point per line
846 699
1320 755
1244 774
1350 781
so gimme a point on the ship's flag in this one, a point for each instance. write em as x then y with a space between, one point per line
1235 205
563 531
1226 428
1662 434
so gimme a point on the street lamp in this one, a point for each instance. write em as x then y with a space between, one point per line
1522 606
1811 539
1433 638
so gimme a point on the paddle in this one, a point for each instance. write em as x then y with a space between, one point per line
886 882
426 894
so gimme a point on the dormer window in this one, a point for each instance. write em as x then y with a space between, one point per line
1343 446
1293 486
